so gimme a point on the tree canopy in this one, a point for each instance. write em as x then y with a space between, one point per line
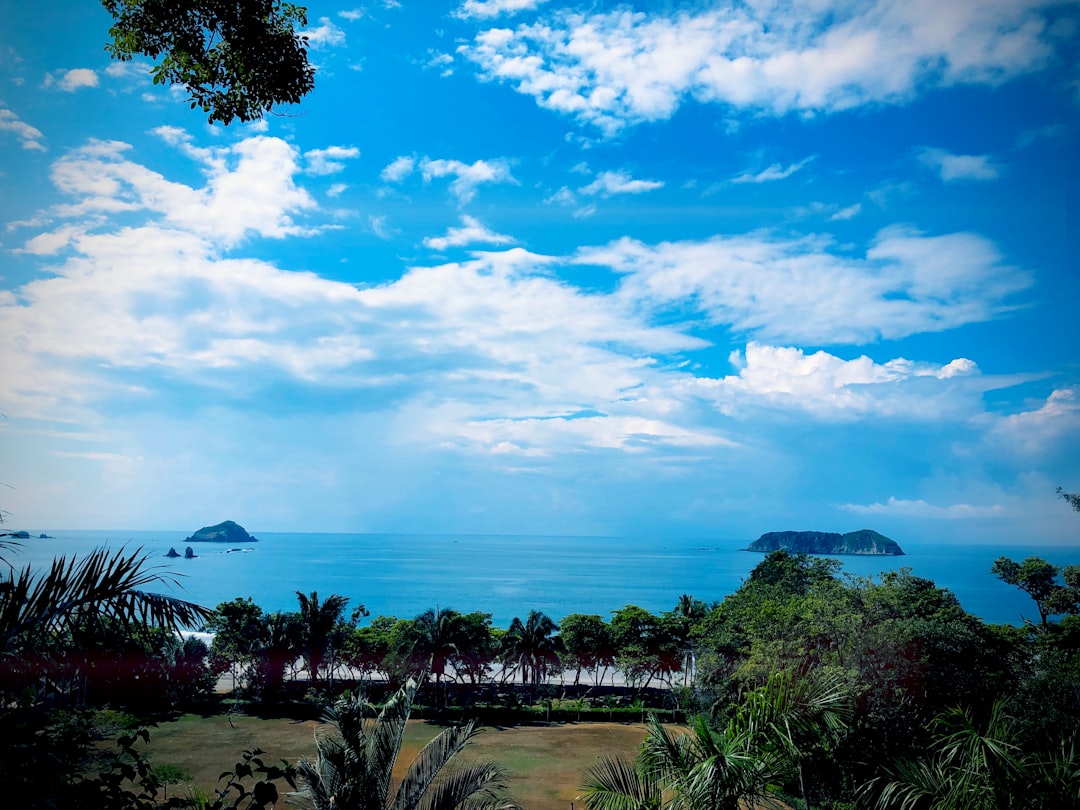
236 60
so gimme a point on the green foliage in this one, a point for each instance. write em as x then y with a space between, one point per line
647 646
367 648
1071 498
587 643
476 648
235 60
973 763
532 647
1039 580
319 632
356 756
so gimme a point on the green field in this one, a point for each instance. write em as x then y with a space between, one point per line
545 762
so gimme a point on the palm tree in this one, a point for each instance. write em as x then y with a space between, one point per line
532 646
438 636
789 712
355 761
698 770
317 622
280 648
688 612
974 765
40 610
615 784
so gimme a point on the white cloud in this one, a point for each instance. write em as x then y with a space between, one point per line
378 226
328 161
958 167
850 212
619 182
773 172
467 177
324 35
471 232
132 71
809 291
30 137
896 507
336 190
71 80
486 9
249 187
352 15
398 169
1053 426
564 196
619 68
442 62
788 379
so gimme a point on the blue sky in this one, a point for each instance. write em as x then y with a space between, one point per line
527 267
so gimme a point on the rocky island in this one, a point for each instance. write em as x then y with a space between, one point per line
227 532
862 542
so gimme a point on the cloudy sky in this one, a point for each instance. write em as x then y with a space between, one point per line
520 266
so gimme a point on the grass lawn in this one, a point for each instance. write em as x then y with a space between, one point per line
545 762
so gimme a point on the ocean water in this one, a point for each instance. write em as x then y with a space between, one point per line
507 576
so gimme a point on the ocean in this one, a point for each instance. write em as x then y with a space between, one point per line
509 575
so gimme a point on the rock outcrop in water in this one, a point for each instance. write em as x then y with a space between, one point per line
863 542
227 532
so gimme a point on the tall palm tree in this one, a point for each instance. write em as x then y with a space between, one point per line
688 611
355 761
532 646
438 635
317 622
280 649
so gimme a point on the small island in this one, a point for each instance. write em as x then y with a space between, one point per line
189 554
861 542
226 532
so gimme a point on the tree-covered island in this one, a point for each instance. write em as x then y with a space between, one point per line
861 542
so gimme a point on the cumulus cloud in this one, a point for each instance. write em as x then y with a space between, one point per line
1053 425
467 176
829 387
485 9
811 292
952 167
476 356
249 188
328 161
71 80
620 68
30 137
398 169
897 507
471 232
324 35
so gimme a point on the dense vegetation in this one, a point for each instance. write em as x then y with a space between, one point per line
803 684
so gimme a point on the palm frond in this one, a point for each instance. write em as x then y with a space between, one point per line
615 784
914 785
479 783
664 753
384 742
111 585
428 763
